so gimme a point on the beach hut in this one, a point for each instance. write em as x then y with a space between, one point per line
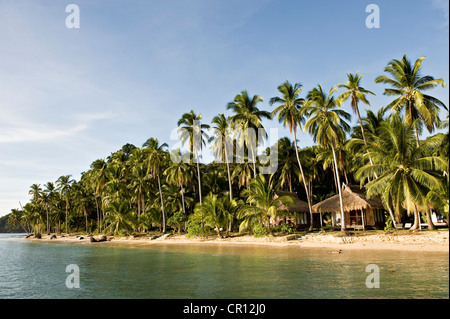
359 211
300 209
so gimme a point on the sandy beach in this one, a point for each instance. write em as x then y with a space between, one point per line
425 241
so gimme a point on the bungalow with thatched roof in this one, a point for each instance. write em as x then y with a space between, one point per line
300 209
359 211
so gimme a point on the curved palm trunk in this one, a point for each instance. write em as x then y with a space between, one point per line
339 189
392 217
254 162
429 221
364 135
198 177
416 224
182 198
162 206
199 183
308 197
228 172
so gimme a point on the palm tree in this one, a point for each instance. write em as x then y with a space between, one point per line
50 191
357 93
155 160
408 85
327 125
290 115
35 192
213 213
119 217
194 132
179 173
247 118
99 178
243 172
64 183
263 204
223 144
231 207
405 170
287 161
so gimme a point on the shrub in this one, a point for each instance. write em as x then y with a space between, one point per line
260 231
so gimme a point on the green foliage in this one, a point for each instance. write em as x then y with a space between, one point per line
260 230
284 228
388 224
177 220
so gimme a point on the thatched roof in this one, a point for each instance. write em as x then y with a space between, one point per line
353 198
299 206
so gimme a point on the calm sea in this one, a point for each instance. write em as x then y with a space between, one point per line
38 270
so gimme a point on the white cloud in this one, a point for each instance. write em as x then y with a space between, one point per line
443 6
26 134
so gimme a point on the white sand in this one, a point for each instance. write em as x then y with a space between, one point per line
425 241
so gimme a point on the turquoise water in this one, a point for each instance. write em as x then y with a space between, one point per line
38 270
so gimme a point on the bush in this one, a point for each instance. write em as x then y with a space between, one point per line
284 228
260 231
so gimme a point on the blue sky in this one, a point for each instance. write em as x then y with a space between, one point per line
71 96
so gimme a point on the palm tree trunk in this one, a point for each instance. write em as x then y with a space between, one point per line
162 205
339 189
304 181
48 228
182 198
417 135
228 172
199 183
254 162
85 215
416 224
98 214
198 177
429 221
143 204
392 217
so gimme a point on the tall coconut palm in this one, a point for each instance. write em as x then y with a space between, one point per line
50 190
263 204
287 162
405 170
248 118
179 173
64 182
99 178
408 85
223 144
356 93
289 113
194 132
327 124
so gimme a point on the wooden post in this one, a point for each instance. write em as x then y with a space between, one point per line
362 218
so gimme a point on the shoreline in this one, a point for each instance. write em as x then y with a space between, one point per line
414 242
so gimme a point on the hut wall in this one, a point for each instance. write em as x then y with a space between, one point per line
370 220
